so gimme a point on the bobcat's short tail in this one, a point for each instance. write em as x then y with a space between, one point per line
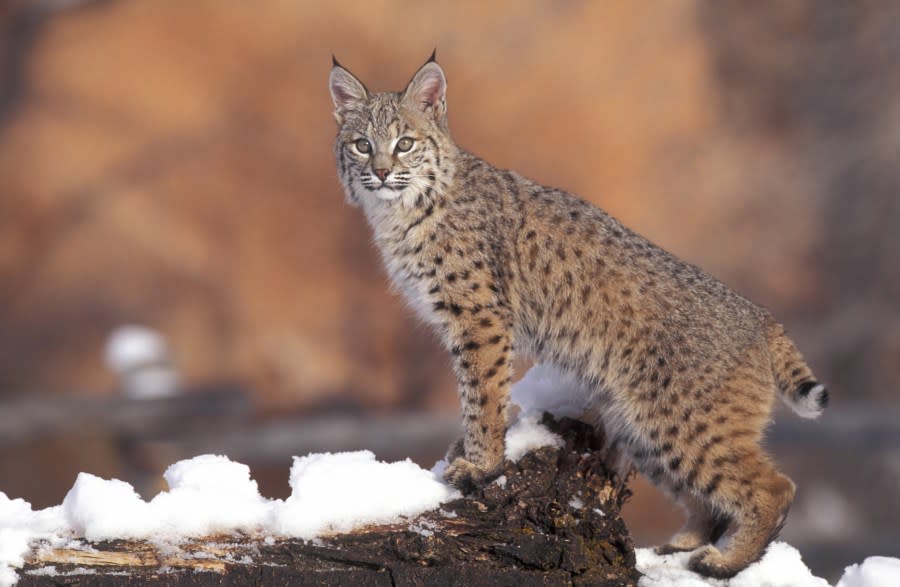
796 382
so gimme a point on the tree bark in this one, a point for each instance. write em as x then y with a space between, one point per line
552 518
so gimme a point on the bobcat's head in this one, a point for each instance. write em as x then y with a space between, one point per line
392 145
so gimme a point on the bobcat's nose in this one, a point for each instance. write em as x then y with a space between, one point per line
381 173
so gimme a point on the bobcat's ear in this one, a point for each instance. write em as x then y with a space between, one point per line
427 91
347 92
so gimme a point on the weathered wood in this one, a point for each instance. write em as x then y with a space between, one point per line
550 519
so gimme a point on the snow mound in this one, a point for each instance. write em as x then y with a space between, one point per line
528 434
207 494
343 491
875 571
132 346
141 359
544 388
211 494
780 566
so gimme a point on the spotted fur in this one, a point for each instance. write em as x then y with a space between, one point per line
682 371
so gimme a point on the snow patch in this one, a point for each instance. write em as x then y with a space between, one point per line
528 434
13 546
667 571
131 346
211 494
545 388
102 509
780 566
343 491
140 357
875 571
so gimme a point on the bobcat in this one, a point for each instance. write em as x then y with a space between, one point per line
682 371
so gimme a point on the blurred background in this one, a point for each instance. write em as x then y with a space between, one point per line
168 164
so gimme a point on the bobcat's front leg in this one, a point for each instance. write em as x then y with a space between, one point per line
481 348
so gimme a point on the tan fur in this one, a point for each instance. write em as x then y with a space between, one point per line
682 370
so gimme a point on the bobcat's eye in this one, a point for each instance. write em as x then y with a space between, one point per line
363 146
404 144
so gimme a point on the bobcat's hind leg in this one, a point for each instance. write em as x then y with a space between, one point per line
703 526
758 502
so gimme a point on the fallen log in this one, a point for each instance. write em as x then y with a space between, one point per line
552 518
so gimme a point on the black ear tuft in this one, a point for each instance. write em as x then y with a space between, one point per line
334 61
433 58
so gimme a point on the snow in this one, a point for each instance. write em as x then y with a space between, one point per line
207 494
211 494
780 566
140 357
131 346
105 508
528 434
544 388
19 525
343 491
333 493
875 571
13 546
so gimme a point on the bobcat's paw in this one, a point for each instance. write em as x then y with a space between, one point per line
689 539
467 476
708 561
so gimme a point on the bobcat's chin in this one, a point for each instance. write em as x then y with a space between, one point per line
386 193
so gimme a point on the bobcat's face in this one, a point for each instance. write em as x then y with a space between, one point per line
388 144
383 152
